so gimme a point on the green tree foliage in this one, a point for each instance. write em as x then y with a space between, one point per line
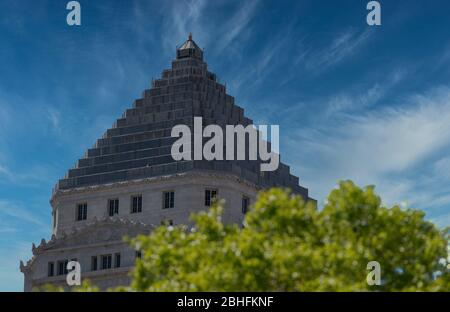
86 286
289 245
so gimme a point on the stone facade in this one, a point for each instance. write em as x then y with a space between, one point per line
128 182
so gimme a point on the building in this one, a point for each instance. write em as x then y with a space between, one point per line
128 182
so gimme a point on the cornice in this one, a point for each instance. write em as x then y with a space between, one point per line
74 232
157 179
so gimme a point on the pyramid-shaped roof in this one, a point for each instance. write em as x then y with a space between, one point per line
189 44
138 145
189 49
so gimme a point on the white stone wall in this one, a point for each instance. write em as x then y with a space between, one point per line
189 191
189 197
38 272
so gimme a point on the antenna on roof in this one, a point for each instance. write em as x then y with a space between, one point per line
190 36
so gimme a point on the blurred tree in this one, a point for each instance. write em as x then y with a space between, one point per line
86 286
289 245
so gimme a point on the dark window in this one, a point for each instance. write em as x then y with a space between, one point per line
62 267
245 204
117 260
81 212
168 200
106 262
138 254
54 218
210 196
113 207
136 204
94 263
51 268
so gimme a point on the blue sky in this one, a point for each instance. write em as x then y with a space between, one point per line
371 104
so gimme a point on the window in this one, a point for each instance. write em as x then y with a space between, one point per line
106 262
117 260
168 199
94 263
54 218
245 204
51 268
81 212
113 205
62 267
210 196
66 262
136 204
138 254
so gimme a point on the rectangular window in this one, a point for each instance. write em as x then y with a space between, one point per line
51 268
81 212
113 207
136 204
94 265
62 267
106 262
117 260
210 196
54 218
138 254
245 204
168 199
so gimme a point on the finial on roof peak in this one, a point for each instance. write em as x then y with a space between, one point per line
189 49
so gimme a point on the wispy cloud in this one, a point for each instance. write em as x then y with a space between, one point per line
261 66
341 47
54 117
191 16
269 58
351 101
344 102
236 24
379 147
6 228
34 176
14 212
184 17
443 220
442 167
443 59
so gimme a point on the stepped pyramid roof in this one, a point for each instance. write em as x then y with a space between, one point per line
138 145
